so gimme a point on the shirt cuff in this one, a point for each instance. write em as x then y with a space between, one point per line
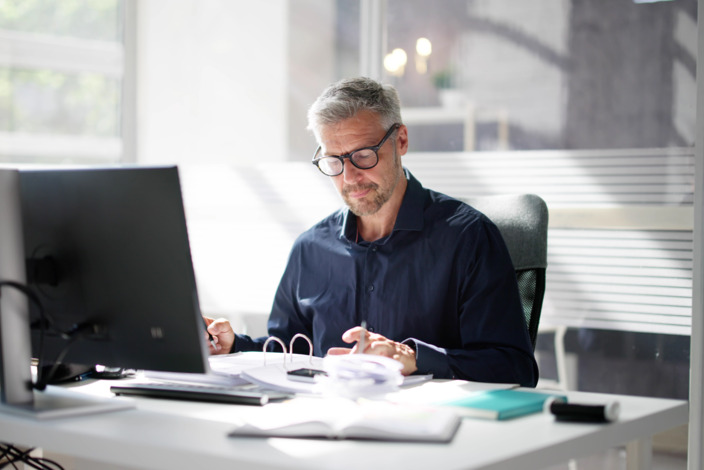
244 343
430 359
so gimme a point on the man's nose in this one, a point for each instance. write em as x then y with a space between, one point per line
350 173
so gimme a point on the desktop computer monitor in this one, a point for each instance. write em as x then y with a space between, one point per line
107 259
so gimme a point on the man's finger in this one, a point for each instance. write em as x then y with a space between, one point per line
352 335
339 351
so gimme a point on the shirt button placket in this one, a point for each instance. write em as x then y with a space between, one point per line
370 287
369 281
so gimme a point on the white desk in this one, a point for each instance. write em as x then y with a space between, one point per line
161 434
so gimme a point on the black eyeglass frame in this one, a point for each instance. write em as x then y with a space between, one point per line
375 148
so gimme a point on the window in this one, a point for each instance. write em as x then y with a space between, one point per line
62 81
592 106
544 74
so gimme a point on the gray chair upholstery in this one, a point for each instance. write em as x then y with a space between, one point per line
522 220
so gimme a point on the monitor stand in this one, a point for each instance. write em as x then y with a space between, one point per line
16 394
59 402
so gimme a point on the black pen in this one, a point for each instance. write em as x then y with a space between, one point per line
362 338
210 337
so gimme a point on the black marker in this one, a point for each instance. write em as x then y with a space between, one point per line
583 413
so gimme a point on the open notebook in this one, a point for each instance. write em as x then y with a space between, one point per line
346 419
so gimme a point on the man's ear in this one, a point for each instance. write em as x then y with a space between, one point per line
402 140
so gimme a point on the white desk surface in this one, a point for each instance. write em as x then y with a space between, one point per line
164 434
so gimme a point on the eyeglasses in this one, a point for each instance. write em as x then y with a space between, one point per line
364 158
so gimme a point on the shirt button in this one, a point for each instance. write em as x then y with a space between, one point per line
370 287
374 248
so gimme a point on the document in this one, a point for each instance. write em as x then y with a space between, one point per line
331 418
268 370
229 369
274 375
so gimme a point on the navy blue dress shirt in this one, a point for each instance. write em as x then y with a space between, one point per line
442 282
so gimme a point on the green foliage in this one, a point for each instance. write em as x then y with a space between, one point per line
87 19
47 101
444 79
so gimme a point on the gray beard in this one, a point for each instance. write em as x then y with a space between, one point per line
362 208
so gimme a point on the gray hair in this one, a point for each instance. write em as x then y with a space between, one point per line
345 98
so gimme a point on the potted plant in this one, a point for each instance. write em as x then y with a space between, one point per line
443 79
446 83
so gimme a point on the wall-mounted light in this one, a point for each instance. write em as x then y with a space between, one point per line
423 47
423 50
395 62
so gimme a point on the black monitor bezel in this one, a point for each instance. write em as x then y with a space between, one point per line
126 288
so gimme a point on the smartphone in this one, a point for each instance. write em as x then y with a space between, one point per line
305 374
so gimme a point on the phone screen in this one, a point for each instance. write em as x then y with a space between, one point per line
305 374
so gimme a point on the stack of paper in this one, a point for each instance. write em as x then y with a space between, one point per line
229 369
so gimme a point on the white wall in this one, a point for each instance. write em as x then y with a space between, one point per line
200 62
211 95
223 87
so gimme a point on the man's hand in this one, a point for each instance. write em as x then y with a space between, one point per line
380 345
223 335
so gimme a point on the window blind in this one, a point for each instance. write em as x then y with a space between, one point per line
620 235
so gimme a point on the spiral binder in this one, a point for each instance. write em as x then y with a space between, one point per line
290 348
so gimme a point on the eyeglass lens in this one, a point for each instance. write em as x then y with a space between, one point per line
362 159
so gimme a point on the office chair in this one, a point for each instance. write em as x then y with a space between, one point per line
522 220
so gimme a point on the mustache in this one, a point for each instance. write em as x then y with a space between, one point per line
353 188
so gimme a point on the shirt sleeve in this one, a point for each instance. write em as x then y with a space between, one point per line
495 343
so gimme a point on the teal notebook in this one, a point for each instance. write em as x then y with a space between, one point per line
502 404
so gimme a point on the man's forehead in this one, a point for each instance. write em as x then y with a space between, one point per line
349 135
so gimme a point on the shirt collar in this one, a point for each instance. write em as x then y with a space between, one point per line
410 215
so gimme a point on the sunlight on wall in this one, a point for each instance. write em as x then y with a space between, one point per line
203 97
242 221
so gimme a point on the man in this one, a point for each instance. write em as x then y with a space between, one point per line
429 276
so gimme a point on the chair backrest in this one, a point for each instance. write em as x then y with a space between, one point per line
522 220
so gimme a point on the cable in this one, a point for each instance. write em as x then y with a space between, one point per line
45 320
11 455
26 291
44 379
44 317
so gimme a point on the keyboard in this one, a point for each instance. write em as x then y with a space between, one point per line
198 392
